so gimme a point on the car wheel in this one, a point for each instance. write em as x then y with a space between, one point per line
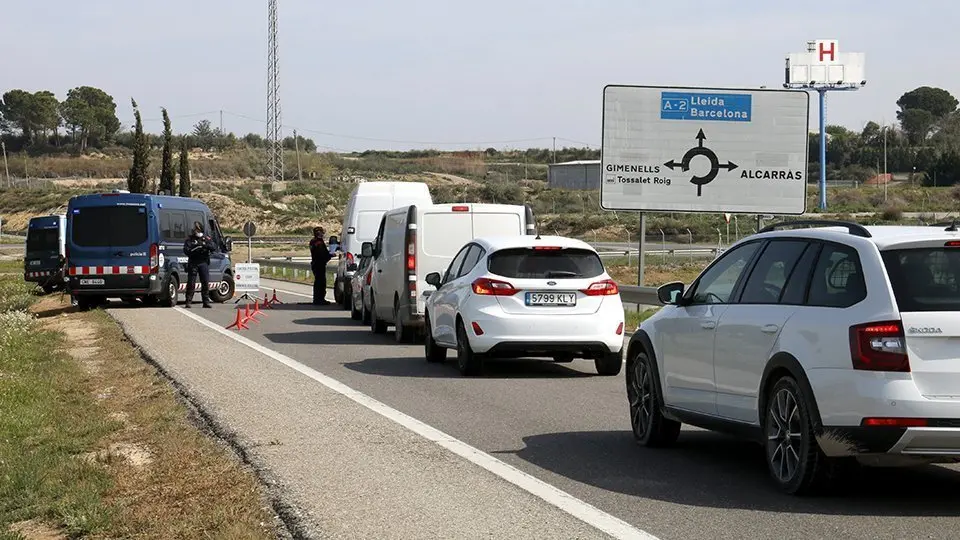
347 295
338 291
469 362
434 353
224 290
86 303
650 427
364 312
377 325
794 458
401 333
355 313
609 363
169 296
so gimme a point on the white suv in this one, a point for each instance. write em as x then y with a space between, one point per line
525 296
826 345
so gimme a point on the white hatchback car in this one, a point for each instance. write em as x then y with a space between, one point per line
523 296
826 345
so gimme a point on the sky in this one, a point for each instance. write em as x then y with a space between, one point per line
381 74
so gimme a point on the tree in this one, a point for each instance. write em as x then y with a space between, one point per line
137 179
90 113
167 174
184 169
203 134
30 113
922 108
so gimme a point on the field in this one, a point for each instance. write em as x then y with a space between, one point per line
95 443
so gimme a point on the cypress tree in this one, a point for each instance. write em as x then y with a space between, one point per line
184 169
167 174
137 179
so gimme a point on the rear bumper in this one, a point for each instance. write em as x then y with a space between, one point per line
120 285
533 335
938 442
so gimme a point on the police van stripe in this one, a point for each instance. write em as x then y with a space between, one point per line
39 274
107 270
214 285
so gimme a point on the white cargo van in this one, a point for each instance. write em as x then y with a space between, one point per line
419 239
365 208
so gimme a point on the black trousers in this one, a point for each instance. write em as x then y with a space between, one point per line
319 284
203 269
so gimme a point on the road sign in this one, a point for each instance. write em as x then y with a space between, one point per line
673 149
249 229
246 277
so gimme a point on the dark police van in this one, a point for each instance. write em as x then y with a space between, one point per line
44 250
130 246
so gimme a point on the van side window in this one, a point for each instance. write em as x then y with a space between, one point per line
172 225
193 216
214 231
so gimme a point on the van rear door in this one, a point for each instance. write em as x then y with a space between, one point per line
109 243
42 250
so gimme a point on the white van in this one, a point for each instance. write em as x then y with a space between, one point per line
365 208
419 239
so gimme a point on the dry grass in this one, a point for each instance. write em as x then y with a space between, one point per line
157 475
655 275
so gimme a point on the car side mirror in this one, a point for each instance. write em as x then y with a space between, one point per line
433 278
228 244
670 293
366 249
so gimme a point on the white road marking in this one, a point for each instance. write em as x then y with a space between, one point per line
582 510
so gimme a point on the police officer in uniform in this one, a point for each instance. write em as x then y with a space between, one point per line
198 248
319 257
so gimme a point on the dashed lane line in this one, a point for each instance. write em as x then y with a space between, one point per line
582 510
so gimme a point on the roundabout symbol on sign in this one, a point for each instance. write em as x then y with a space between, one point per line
701 150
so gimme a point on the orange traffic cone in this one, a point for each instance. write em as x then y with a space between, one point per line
275 300
266 303
239 323
256 308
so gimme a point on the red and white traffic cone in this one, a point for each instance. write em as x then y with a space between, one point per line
239 323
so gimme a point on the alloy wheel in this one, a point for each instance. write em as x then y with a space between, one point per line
641 398
784 435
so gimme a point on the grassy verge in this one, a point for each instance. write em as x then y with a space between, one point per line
93 443
658 274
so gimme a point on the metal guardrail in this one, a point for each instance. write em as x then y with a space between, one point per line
629 294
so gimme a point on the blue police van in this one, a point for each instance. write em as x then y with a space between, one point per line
44 252
130 246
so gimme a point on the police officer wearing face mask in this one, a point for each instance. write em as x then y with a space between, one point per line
198 248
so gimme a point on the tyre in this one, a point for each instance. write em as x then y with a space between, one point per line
469 362
364 312
434 353
794 459
401 332
86 303
650 427
224 291
338 291
347 295
355 313
377 325
609 364
168 298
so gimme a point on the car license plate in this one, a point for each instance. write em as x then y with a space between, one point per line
91 282
551 299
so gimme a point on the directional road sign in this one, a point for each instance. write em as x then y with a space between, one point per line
717 150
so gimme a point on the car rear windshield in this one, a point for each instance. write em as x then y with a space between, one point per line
43 240
926 279
527 263
109 226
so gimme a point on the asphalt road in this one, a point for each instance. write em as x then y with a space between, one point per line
569 427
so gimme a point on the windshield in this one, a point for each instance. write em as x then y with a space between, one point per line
926 279
109 226
526 263
43 240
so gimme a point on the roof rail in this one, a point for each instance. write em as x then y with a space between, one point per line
853 228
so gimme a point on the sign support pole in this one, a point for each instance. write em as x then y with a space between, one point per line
823 148
249 249
640 254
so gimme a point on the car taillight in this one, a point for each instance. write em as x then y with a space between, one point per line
952 243
154 258
547 248
349 258
493 287
879 346
606 287
411 259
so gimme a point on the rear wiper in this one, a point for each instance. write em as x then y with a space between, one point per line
562 274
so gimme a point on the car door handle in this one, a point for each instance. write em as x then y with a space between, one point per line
769 328
708 325
379 271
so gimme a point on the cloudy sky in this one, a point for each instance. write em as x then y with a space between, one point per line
453 74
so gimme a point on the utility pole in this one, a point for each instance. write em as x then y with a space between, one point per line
6 167
221 121
554 149
296 145
274 126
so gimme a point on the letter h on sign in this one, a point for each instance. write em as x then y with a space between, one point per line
824 51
